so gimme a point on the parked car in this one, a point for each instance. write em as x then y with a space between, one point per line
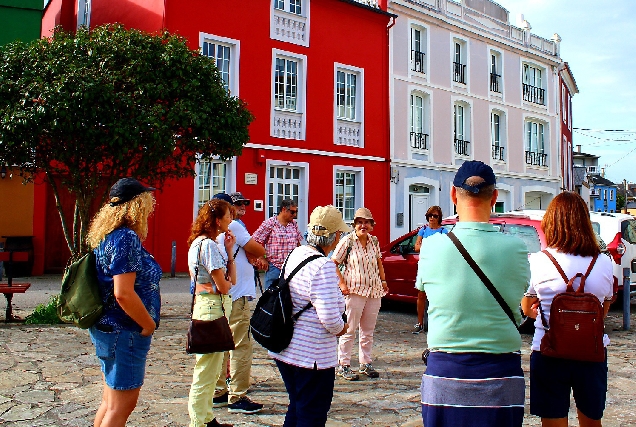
400 259
618 230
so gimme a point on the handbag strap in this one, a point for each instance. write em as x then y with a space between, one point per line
471 262
567 281
196 274
293 273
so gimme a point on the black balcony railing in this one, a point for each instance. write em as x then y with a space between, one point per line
494 82
417 60
462 147
497 152
536 159
419 140
459 72
533 94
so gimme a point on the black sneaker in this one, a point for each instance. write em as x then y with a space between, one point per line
221 400
245 406
215 423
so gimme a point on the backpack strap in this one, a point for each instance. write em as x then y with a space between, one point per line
293 273
495 293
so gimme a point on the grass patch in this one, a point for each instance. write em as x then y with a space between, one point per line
44 314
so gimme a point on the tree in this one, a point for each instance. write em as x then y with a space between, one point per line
620 201
88 108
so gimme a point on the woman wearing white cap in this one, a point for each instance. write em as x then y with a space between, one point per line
307 365
363 283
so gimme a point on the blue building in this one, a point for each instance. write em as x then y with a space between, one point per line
602 194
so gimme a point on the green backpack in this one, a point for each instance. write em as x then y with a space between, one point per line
80 302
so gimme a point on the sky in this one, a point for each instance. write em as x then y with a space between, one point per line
599 45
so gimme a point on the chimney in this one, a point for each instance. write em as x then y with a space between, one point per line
578 148
602 172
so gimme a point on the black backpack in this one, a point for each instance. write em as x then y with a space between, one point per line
272 322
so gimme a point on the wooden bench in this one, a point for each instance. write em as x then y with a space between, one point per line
10 288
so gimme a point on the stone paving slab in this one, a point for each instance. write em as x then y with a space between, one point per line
50 376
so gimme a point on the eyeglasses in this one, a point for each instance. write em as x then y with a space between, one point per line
293 211
242 203
433 216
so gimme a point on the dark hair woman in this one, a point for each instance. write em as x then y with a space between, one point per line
216 275
571 241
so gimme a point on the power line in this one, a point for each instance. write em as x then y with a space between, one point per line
606 130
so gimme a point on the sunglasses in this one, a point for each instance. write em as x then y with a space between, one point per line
293 211
433 216
242 203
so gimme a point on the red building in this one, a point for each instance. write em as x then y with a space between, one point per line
315 75
568 88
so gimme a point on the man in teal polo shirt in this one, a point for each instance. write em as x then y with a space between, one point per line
473 375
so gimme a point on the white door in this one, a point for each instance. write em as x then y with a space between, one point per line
419 206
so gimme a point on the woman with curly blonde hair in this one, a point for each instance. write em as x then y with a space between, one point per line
129 286
212 275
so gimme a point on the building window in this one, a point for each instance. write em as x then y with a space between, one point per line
83 13
346 182
495 71
459 62
212 178
418 135
286 84
418 46
461 129
346 88
496 135
290 21
224 53
533 84
349 115
284 183
611 194
291 6
535 144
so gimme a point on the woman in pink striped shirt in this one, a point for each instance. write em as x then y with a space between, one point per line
363 283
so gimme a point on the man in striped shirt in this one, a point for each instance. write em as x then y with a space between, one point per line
280 235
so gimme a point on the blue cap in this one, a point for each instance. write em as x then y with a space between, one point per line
223 196
474 168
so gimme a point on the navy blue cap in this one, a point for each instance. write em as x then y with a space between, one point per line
125 190
474 168
223 196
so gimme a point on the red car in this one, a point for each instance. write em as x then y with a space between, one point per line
400 259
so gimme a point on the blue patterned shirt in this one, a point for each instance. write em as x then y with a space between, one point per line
121 252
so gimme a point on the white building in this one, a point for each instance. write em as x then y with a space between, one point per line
468 85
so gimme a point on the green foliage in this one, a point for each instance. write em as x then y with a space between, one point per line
44 314
620 201
91 107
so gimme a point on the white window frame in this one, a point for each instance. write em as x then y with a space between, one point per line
229 180
303 190
464 59
83 13
543 146
503 133
296 116
354 126
426 121
611 194
291 6
531 79
345 108
424 48
499 70
235 54
466 122
358 195
289 26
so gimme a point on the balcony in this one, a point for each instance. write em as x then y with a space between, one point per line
419 141
494 82
417 61
459 72
533 94
462 147
536 159
497 152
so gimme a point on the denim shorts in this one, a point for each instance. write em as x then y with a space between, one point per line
122 355
552 379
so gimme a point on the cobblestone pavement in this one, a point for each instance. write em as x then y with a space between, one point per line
50 376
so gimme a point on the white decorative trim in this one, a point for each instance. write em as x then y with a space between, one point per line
289 27
348 133
315 152
288 125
